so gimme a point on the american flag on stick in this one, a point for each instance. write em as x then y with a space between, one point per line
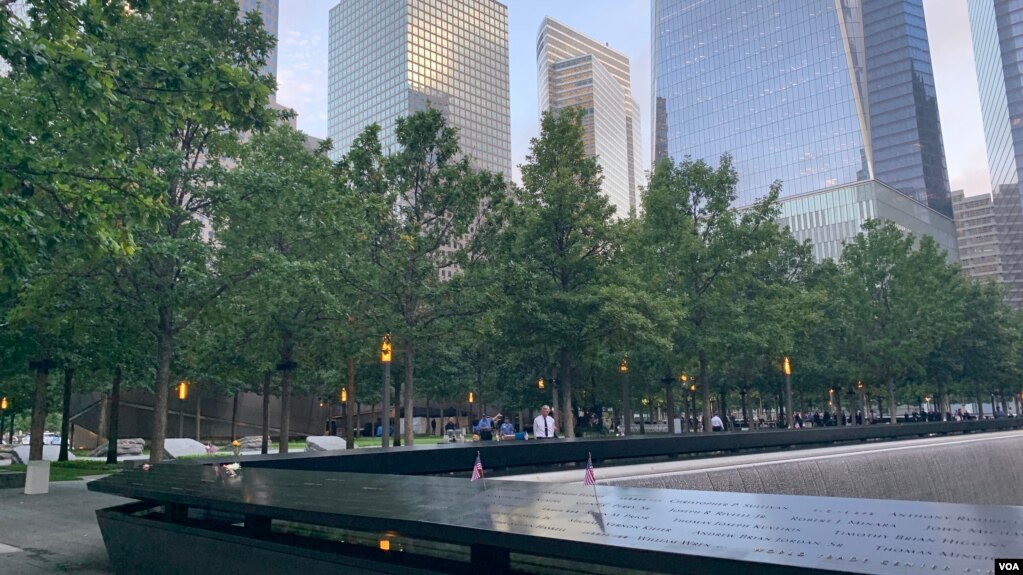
589 478
477 470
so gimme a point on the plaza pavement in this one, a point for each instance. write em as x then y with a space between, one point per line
53 533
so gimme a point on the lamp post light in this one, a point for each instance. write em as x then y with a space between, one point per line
385 391
863 399
684 379
786 367
540 384
182 395
344 414
623 368
692 409
3 413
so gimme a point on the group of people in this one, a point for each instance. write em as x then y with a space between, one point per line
499 427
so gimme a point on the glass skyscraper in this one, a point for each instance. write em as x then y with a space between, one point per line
394 58
20 10
574 70
816 94
270 12
997 28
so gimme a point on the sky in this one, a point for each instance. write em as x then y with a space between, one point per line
625 26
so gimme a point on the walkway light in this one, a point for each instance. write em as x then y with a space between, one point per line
183 390
344 395
539 383
623 367
786 366
3 403
385 349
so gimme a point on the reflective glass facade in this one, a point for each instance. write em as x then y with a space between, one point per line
997 28
390 59
832 217
560 84
815 94
19 9
270 11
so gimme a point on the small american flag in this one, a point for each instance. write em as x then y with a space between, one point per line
477 469
589 478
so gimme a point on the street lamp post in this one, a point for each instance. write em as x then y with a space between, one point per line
623 368
344 415
385 391
685 405
863 400
692 409
3 414
182 395
787 368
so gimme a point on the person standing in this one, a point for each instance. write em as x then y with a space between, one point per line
486 428
716 424
544 426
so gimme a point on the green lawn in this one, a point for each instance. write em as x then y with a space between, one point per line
72 470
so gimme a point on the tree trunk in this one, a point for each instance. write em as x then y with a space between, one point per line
943 398
38 425
705 391
234 417
410 356
891 400
569 420
723 408
555 399
350 406
264 448
164 355
104 419
115 416
976 398
198 414
395 402
669 398
65 416
285 411
838 406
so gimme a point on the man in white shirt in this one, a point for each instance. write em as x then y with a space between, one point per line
716 424
544 426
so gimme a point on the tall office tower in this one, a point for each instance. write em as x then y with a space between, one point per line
270 11
997 27
20 10
575 70
981 244
816 94
391 59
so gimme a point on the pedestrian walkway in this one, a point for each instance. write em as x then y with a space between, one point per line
53 533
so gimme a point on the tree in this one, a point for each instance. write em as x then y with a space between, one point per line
560 242
281 210
206 65
697 243
425 207
901 300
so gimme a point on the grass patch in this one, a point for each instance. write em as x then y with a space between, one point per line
72 470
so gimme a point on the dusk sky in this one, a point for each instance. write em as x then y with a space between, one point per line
625 26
